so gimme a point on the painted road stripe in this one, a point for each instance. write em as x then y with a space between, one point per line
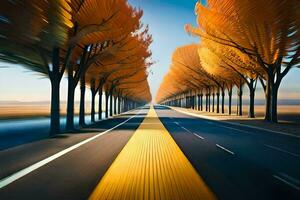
202 138
8 180
282 150
292 182
151 166
235 129
223 148
185 129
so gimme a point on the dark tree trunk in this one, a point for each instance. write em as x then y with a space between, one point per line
82 102
100 104
209 101
119 104
218 102
240 108
201 100
115 105
206 102
198 102
252 97
111 104
93 105
70 104
106 104
268 98
55 110
229 101
274 97
213 102
237 103
223 101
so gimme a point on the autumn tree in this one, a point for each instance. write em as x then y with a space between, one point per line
42 47
264 31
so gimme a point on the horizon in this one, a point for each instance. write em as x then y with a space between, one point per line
18 84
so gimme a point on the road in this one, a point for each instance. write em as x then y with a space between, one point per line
235 162
73 175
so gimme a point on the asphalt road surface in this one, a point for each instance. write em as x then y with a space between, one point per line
235 162
72 175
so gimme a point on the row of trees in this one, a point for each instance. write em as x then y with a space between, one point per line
101 44
242 42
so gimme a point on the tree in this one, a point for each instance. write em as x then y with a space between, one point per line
42 47
264 31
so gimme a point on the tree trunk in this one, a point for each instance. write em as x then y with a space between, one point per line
198 102
274 97
223 101
251 104
268 98
229 100
206 102
111 104
70 103
93 105
240 93
218 102
209 101
201 100
213 102
82 102
55 115
106 104
115 105
100 104
119 104
237 102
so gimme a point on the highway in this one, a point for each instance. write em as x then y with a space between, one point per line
234 162
72 175
237 162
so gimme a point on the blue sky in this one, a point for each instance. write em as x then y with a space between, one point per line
166 20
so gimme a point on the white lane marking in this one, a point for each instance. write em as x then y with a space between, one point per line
292 182
185 129
282 150
19 174
235 129
223 148
232 123
202 138
176 123
192 133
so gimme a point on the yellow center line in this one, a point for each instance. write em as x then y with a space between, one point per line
151 166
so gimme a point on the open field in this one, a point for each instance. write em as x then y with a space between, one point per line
26 110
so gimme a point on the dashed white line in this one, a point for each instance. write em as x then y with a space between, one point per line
202 138
223 148
185 129
176 123
19 174
282 150
235 129
292 182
